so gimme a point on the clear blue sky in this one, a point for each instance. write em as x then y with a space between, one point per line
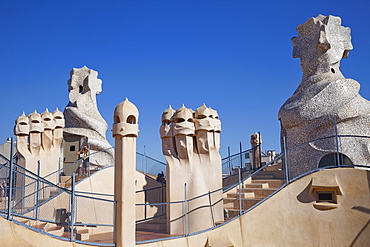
235 56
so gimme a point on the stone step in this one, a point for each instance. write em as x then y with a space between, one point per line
274 167
234 203
229 202
26 222
56 230
84 233
256 185
269 175
272 183
43 226
219 222
80 234
242 195
263 176
232 213
246 203
258 192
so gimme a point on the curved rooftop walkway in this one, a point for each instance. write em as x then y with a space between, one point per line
252 190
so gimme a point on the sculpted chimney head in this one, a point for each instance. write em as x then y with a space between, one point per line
36 124
216 122
82 81
183 123
126 117
58 119
203 118
203 112
48 120
165 129
321 41
167 116
21 125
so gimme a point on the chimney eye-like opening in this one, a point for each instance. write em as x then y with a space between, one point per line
131 119
116 119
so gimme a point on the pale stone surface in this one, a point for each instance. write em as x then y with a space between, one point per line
289 218
125 131
82 115
101 212
39 138
324 93
190 145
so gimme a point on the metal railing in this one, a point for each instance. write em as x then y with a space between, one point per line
148 165
23 200
243 161
287 177
65 214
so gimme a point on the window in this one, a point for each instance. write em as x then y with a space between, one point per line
72 148
325 190
326 196
332 160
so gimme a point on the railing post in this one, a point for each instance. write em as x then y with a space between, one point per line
210 207
23 193
286 161
59 171
88 160
240 192
229 159
37 191
241 156
114 222
145 162
336 140
259 148
11 179
72 232
162 198
185 209
145 200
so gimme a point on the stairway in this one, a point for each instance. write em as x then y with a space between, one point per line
253 191
82 234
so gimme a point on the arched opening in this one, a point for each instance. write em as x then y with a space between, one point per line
332 160
166 122
131 119
116 119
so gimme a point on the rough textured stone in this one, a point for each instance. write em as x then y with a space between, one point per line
190 145
82 115
323 94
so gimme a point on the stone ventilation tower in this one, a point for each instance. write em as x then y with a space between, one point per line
39 138
190 145
84 124
323 95
125 131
